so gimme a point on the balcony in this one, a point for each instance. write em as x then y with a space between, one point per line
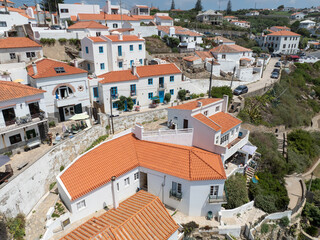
175 195
23 122
217 199
162 86
133 93
62 102
121 57
114 96
10 122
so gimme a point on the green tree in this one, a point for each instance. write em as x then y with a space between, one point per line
229 7
236 189
182 94
173 6
218 92
48 5
123 101
198 6
295 26
281 7
257 50
304 32
167 97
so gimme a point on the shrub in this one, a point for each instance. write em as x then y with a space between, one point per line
74 41
236 190
97 141
189 227
175 50
218 92
17 226
312 230
155 36
167 97
201 94
123 102
182 94
264 228
194 95
48 41
266 203
284 222
62 40
52 124
61 168
312 214
52 185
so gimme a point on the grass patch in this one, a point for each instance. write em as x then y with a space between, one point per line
97 142
17 226
52 185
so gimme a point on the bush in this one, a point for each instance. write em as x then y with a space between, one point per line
201 94
17 226
52 124
236 191
175 50
61 168
182 94
312 214
123 102
155 36
62 40
48 41
284 222
218 92
74 41
167 97
264 228
194 96
266 203
312 230
189 227
97 141
52 185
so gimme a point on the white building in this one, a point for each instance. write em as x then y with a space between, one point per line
297 16
112 52
210 16
222 40
285 42
114 9
66 87
230 18
243 24
14 71
89 29
215 130
140 10
66 11
252 13
163 19
19 49
141 83
307 24
22 116
278 28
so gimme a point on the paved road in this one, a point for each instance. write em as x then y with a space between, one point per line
314 54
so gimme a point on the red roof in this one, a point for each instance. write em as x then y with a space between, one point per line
143 17
165 17
122 30
283 33
73 18
191 58
125 38
121 155
230 49
207 121
12 90
46 68
8 1
179 31
118 76
97 39
194 104
142 216
225 120
87 24
204 54
103 16
18 42
11 9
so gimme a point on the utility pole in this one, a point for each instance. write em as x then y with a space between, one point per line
121 12
234 71
310 183
38 19
264 60
5 6
111 116
210 81
219 5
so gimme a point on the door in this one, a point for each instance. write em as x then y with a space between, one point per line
61 114
78 108
185 123
161 96
161 82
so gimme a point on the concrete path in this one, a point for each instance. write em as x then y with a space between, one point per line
294 190
307 175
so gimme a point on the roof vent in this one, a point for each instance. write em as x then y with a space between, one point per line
199 104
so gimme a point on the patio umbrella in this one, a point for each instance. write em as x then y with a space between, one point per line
80 116
4 159
18 80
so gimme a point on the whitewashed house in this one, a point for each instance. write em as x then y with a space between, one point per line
19 49
230 18
142 83
224 41
163 19
114 9
211 17
307 24
66 87
297 16
9 3
112 52
140 10
285 42
22 116
89 29
252 13
243 24
71 11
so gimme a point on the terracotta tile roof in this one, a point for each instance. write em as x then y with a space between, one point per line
73 18
204 54
207 121
143 17
142 6
97 39
11 9
8 1
87 24
223 39
165 17
157 70
225 120
142 216
26 16
246 59
12 90
281 27
191 58
117 76
229 49
46 68
125 38
179 31
293 14
194 104
103 16
17 42
122 30
123 154
283 33
229 17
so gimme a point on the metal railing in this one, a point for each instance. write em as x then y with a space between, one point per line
167 132
175 194
217 199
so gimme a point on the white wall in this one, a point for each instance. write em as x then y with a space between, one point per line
56 34
21 54
16 70
13 18
75 9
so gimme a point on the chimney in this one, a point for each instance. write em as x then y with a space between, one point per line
139 35
199 104
113 189
75 62
120 36
134 69
225 103
138 131
35 70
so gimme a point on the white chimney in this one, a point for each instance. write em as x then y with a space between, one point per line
225 103
75 62
199 104
139 35
120 36
138 131
172 31
134 69
35 70
113 189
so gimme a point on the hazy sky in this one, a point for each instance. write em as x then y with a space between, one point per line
207 4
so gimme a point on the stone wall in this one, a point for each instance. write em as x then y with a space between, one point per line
23 191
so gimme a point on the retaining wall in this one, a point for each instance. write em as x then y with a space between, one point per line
232 212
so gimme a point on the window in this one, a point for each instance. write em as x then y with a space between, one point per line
126 181
205 113
95 92
133 89
217 108
171 91
114 92
232 132
140 61
118 187
150 95
9 116
176 190
88 66
288 45
12 56
277 38
171 78
15 139
101 49
140 47
134 101
224 138
59 70
131 48
114 105
30 54
150 81
119 51
214 190
136 176
64 10
120 64
81 204
102 66
63 92
223 56
87 50
98 34
34 109
285 38
3 24
284 46
131 63
31 134
217 139
115 25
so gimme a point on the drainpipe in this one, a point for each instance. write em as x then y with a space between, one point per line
114 197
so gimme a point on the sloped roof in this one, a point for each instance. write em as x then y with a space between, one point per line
46 68
104 16
179 31
204 54
11 9
143 17
117 76
25 15
87 24
225 120
194 104
211 12
283 33
18 42
165 17
191 58
125 38
122 30
223 39
121 155
230 49
12 90
73 18
207 121
97 39
142 216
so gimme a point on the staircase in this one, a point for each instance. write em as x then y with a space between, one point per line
250 174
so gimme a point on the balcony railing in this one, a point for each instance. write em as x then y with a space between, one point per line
114 96
133 93
35 115
10 122
217 199
176 195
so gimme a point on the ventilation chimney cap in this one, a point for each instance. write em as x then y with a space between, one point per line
199 104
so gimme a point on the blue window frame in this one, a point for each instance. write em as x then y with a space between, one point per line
102 66
88 66
171 78
114 92
87 50
171 91
150 95
100 49
140 47
114 105
120 51
131 48
150 81
134 101
95 92
140 60
120 64
132 87
131 63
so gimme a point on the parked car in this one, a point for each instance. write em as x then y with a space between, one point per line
207 33
55 27
274 75
278 64
277 70
240 90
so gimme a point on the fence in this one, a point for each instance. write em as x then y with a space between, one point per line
301 199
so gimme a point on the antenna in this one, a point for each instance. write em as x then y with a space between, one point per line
255 5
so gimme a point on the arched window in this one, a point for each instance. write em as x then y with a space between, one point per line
63 92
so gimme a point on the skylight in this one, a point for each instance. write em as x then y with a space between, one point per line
59 70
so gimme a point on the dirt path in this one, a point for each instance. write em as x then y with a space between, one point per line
307 175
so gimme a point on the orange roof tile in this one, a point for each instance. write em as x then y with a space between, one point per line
17 42
281 27
12 90
157 70
283 33
204 54
165 17
117 76
11 9
246 59
194 104
46 68
87 24
125 38
229 17
97 39
225 120
103 16
142 6
229 49
73 18
207 121
142 216
179 31
26 16
191 58
223 39
8 1
122 30
143 17
120 155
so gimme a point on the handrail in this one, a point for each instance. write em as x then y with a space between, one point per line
167 132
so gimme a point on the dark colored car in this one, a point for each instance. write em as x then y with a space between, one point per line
275 75
278 64
240 90
55 27
277 70
207 33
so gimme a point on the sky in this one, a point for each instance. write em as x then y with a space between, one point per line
207 4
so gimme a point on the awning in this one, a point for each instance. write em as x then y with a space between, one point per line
251 149
294 56
4 159
80 116
155 98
